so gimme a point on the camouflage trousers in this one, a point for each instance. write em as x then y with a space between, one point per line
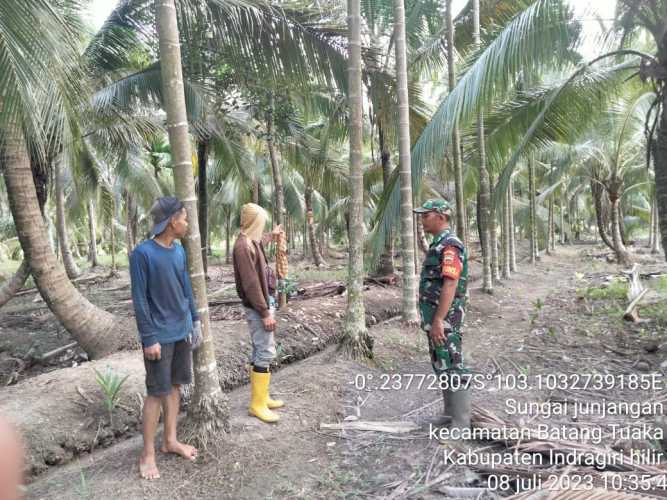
448 357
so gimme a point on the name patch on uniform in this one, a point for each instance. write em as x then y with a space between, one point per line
451 264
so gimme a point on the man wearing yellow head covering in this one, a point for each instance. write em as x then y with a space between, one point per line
251 273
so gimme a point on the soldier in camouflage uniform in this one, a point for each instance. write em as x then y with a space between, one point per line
442 297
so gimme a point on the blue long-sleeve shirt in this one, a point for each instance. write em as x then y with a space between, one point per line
161 293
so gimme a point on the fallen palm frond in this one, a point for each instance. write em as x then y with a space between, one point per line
389 427
610 474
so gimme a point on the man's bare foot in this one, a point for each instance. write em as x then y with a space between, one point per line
185 450
147 467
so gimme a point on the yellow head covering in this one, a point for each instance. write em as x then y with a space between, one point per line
253 220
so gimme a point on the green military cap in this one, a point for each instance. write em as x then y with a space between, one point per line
435 205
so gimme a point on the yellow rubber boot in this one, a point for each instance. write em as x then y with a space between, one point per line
259 384
272 404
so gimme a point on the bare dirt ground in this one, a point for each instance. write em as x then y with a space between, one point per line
73 420
561 315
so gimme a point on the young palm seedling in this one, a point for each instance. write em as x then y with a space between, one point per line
111 384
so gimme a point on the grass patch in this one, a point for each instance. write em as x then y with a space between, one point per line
615 290
121 260
657 312
337 483
660 284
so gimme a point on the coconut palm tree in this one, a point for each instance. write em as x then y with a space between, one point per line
209 415
484 208
61 224
41 79
537 37
409 304
456 146
356 342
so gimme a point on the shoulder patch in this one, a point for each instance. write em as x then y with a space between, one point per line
451 263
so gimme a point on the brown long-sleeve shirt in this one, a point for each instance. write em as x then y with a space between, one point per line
250 275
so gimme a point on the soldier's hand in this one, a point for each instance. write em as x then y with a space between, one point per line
438 332
153 352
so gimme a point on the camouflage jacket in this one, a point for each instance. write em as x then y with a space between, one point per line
432 280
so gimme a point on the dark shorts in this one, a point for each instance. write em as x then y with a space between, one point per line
173 368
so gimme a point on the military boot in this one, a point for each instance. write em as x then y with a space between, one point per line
457 407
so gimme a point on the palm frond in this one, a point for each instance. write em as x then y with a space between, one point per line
40 67
538 37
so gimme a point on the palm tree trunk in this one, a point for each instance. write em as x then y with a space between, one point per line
410 315
130 239
656 230
651 223
202 194
493 231
597 191
386 266
512 232
112 234
533 211
573 210
76 253
421 238
621 223
622 254
415 240
15 283
550 223
660 167
61 224
40 177
314 247
208 416
279 195
356 343
561 209
484 218
255 190
655 243
92 230
304 240
97 332
321 240
552 208
507 268
228 231
461 229
484 210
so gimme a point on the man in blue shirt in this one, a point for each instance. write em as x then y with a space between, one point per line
166 315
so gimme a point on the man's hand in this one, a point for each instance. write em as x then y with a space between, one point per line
269 323
195 338
153 352
437 332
